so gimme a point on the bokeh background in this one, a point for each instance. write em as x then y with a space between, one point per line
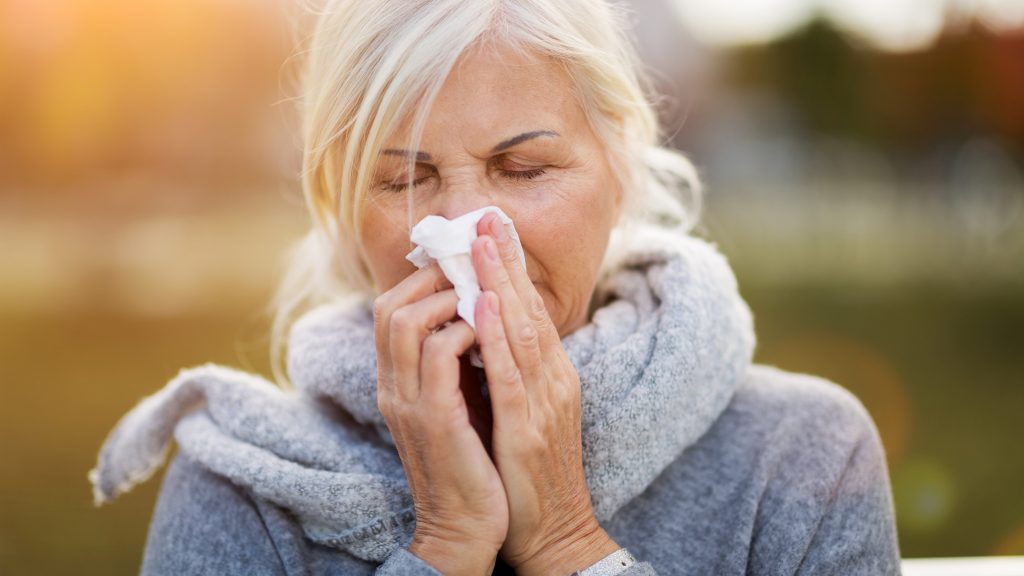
864 163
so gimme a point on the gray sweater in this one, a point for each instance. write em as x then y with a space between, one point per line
790 479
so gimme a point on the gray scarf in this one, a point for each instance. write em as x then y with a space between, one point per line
666 346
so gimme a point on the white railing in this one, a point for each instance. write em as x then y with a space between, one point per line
982 566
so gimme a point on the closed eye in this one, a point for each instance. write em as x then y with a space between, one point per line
522 174
510 174
392 187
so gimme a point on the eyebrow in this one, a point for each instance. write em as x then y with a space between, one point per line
420 156
521 138
503 145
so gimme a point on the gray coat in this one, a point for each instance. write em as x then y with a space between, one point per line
790 479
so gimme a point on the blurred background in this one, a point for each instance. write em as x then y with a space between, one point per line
864 163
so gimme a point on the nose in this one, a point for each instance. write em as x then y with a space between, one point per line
458 197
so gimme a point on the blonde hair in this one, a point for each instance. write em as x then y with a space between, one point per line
372 64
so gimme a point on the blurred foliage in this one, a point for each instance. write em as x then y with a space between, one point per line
970 81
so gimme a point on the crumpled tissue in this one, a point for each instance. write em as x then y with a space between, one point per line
450 242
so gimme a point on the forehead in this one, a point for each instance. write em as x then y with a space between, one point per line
494 92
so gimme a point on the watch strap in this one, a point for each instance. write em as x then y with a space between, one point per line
615 563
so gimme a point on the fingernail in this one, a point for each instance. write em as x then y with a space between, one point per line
492 303
491 249
498 227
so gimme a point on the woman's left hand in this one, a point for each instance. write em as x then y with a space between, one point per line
535 401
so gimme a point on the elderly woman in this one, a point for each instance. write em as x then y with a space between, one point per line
617 425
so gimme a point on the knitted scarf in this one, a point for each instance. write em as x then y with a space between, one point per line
667 344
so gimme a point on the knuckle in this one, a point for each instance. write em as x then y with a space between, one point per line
508 252
497 270
434 345
561 395
534 440
387 414
554 422
385 405
402 320
527 335
536 307
504 281
400 412
381 306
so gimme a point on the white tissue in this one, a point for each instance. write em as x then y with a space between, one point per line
450 243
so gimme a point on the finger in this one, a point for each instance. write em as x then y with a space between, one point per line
439 364
409 327
532 301
520 330
509 403
420 283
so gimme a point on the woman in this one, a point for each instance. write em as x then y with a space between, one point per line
617 425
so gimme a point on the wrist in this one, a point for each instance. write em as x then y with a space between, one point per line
568 554
453 556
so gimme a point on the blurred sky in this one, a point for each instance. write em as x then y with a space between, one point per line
885 24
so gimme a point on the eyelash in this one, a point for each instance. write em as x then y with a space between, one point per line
510 174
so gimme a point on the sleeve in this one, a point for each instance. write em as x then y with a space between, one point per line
857 531
205 525
640 569
402 562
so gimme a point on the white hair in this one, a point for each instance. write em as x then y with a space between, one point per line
372 64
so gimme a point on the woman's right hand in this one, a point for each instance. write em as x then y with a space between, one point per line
461 507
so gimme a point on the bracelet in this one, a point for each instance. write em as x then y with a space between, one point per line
615 563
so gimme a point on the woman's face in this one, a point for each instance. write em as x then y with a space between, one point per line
504 130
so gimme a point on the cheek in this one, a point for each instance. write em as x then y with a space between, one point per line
566 235
385 243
